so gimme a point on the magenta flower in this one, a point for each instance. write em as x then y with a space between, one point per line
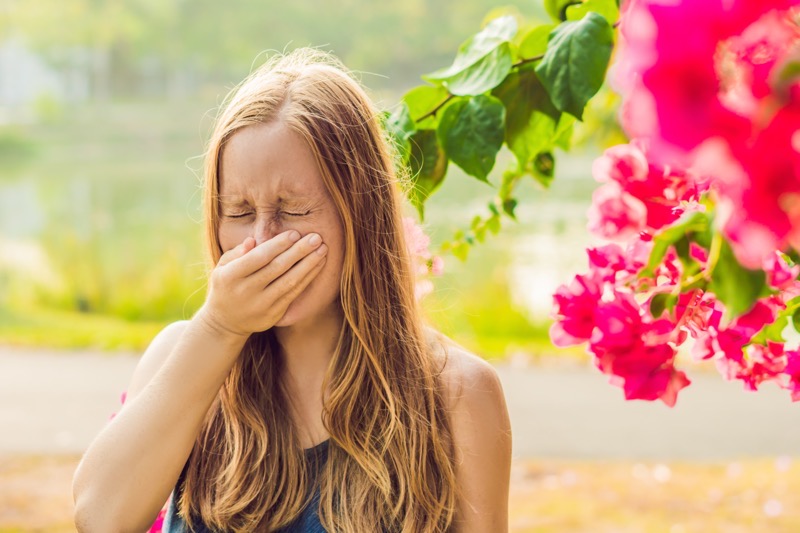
574 311
664 194
615 214
792 371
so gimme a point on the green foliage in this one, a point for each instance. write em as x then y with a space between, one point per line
471 132
607 8
421 100
696 225
483 61
523 90
535 41
662 301
734 285
574 66
531 116
428 164
557 9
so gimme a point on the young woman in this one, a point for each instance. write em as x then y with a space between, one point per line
306 394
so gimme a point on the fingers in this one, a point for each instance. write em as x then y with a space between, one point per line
289 286
264 253
308 245
238 251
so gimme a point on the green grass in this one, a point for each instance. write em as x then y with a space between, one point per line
40 327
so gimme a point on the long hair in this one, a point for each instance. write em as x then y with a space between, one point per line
390 457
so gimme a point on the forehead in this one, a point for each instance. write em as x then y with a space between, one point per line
269 162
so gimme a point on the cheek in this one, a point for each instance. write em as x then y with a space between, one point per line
231 235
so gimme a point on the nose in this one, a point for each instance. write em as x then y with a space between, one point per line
264 228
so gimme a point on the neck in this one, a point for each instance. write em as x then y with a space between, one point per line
307 348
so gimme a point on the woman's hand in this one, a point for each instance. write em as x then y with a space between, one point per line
252 286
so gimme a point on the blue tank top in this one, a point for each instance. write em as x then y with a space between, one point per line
306 522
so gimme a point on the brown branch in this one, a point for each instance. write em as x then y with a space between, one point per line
527 60
433 111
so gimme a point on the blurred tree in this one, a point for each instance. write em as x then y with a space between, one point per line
125 44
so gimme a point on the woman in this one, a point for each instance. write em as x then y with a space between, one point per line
306 393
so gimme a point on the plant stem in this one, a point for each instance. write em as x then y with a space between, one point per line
433 111
525 61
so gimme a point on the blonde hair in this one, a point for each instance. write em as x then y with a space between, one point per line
391 459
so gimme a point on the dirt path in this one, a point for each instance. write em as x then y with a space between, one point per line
53 403
56 402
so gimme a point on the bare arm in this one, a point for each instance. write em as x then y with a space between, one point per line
130 468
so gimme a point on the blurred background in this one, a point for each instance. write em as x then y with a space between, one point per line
104 110
105 106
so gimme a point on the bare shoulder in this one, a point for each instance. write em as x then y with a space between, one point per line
154 357
467 377
481 435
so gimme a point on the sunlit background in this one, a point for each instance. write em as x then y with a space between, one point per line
105 107
104 110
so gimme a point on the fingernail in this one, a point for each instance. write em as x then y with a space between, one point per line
294 236
314 240
322 249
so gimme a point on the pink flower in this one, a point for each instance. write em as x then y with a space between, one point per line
665 193
607 261
574 311
437 265
792 371
615 214
622 163
761 363
618 324
648 373
424 263
779 274
707 98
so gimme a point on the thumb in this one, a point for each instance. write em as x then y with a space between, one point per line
236 252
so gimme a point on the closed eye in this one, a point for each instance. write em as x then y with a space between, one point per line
296 214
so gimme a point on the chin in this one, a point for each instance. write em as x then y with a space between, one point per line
302 311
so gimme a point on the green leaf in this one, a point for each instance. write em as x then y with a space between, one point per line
574 66
484 75
530 115
785 75
400 127
793 256
734 285
482 62
428 164
771 332
557 8
686 227
508 207
607 8
544 168
661 302
493 223
471 132
421 101
535 41
563 135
